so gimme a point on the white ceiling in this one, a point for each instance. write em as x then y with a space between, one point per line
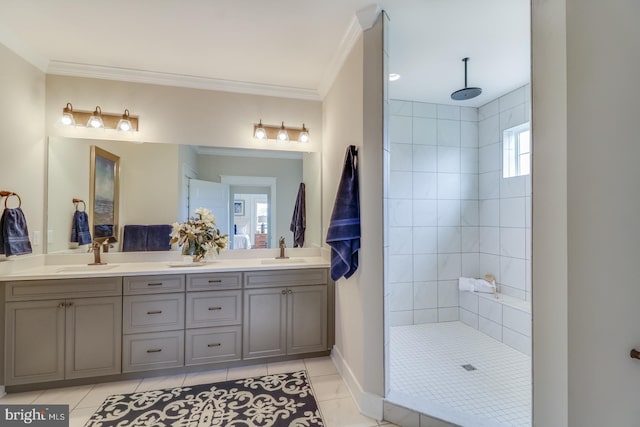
279 44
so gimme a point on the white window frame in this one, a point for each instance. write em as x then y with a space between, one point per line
512 153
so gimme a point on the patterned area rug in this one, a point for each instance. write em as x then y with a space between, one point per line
277 400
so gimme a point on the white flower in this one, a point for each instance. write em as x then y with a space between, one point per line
201 230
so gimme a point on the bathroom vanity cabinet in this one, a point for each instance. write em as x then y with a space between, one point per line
63 329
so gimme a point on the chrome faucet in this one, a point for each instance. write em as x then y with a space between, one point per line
282 246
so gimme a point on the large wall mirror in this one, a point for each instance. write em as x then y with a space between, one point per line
164 183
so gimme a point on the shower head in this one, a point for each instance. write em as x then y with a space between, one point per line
466 92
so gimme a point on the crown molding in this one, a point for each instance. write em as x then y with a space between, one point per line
179 80
367 16
340 56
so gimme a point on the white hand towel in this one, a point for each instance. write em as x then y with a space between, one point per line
466 283
482 285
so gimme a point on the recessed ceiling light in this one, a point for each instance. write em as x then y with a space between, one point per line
393 77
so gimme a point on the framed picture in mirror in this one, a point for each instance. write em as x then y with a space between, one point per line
238 207
104 193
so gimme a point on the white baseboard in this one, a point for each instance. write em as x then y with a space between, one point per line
369 404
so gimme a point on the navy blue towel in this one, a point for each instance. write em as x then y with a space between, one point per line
134 238
80 228
344 228
299 219
14 235
158 237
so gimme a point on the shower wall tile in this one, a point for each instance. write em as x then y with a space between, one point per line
449 266
400 269
448 112
489 186
491 310
512 117
512 99
429 315
401 297
400 240
516 320
401 157
513 242
512 212
469 215
470 239
401 108
527 211
423 109
490 240
520 342
425 240
448 186
425 185
488 131
449 240
401 185
450 314
490 109
512 187
512 292
425 267
512 272
400 212
469 114
425 158
401 318
425 213
449 159
469 160
486 326
469 301
489 212
400 129
469 318
448 213
489 264
449 133
470 264
424 131
489 156
469 134
425 295
469 186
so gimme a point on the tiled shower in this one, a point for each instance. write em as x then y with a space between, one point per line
451 213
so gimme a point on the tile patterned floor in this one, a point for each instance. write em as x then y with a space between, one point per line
336 404
426 361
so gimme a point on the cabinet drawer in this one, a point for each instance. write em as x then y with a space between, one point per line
263 279
210 345
213 281
215 308
144 352
149 313
31 290
153 284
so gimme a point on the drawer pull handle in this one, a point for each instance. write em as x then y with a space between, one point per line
214 345
154 312
215 308
60 304
155 350
154 284
215 281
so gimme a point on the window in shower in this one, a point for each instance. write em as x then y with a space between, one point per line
516 154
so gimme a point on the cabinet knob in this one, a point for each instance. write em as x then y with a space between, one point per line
289 291
60 304
69 304
635 354
284 292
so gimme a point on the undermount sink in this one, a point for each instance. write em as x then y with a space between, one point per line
83 268
284 261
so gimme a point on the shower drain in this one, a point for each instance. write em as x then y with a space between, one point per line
469 367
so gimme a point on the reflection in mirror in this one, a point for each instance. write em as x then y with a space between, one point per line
104 194
155 189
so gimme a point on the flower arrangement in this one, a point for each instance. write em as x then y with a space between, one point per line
199 235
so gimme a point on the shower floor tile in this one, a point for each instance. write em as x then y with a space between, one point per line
453 366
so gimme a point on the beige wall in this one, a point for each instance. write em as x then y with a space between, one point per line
353 116
182 115
22 146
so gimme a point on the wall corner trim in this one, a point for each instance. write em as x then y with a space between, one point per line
367 16
369 404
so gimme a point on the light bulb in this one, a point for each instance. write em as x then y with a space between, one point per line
124 124
67 115
283 135
304 135
260 132
95 121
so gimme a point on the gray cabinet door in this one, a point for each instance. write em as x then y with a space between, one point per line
34 341
93 337
265 314
306 319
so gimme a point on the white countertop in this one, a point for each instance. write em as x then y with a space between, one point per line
42 267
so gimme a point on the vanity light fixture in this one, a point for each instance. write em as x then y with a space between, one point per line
97 119
281 133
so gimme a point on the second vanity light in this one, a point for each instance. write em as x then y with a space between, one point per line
281 133
99 120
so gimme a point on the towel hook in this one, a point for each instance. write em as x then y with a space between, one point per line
8 194
78 201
